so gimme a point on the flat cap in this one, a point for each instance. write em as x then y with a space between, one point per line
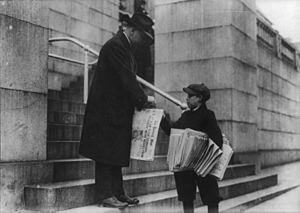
198 89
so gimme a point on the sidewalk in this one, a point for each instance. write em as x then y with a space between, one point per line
288 202
288 174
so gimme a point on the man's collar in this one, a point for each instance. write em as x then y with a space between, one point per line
127 38
196 108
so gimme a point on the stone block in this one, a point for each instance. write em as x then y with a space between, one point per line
58 21
244 17
271 140
115 12
98 5
226 128
244 137
245 76
106 22
250 3
163 19
264 78
62 6
190 15
163 47
220 103
77 27
106 36
252 157
243 47
61 66
211 43
264 58
23 125
216 73
23 63
276 157
95 17
244 107
79 11
192 45
54 81
107 8
32 11
14 176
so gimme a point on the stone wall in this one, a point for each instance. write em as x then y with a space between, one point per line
279 96
92 22
213 42
25 69
23 97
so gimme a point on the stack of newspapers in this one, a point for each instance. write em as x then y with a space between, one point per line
193 150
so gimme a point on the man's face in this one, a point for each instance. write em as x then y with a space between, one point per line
193 101
138 38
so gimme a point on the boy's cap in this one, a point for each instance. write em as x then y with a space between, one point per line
198 89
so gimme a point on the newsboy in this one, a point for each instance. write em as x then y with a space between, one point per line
114 93
198 117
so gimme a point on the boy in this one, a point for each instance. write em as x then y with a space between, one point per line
198 118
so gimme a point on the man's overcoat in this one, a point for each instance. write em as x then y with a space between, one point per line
114 93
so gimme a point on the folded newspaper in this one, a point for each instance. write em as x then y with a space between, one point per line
144 133
193 150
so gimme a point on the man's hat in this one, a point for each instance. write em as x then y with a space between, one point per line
142 22
198 89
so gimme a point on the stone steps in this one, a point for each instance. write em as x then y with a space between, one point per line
65 118
62 149
236 204
69 149
64 132
155 189
76 169
65 106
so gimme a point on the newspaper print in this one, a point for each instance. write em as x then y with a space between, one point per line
144 133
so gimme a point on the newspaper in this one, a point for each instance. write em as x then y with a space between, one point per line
220 167
193 150
144 133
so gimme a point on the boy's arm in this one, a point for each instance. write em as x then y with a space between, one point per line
166 124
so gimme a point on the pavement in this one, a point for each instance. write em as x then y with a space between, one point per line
289 202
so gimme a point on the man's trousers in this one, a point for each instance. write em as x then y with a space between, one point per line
109 181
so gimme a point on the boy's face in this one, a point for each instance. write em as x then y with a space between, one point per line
193 101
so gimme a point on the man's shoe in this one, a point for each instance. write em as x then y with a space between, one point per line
127 199
113 202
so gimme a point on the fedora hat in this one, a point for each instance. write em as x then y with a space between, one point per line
142 22
198 89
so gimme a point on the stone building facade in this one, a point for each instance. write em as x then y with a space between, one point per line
253 74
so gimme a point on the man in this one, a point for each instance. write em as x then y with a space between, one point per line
107 126
198 118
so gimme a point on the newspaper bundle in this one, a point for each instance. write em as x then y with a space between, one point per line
144 133
193 150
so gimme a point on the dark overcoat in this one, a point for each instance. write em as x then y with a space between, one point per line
114 93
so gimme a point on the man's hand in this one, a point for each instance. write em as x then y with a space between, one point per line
150 104
150 99
184 106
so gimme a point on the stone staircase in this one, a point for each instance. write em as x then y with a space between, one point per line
72 177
